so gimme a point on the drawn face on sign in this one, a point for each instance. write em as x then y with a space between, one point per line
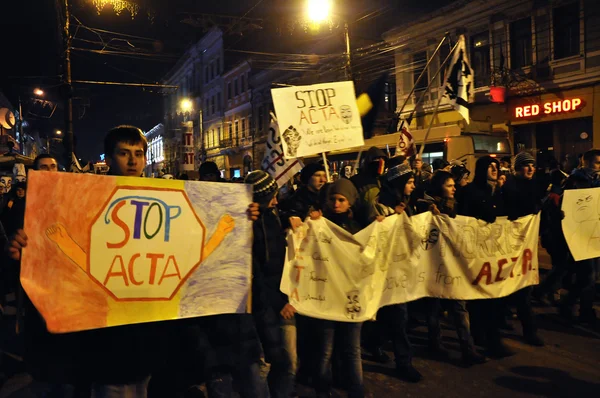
353 307
140 246
431 239
584 210
5 184
346 113
292 138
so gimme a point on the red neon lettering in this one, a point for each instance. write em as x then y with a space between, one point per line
518 111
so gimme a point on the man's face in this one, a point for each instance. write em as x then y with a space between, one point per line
492 172
127 160
417 164
317 181
20 193
595 164
339 204
528 171
47 164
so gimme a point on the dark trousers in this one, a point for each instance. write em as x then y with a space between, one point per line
391 324
458 310
584 289
521 299
560 268
486 318
346 337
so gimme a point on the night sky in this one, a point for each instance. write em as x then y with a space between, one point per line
31 54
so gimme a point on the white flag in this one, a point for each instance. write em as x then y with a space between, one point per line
459 81
274 162
406 143
75 166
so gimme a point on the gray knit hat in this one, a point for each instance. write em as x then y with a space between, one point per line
522 159
343 187
263 185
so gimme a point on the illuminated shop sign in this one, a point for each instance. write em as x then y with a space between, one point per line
548 108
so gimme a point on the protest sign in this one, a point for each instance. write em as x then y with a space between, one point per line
317 118
330 274
581 225
107 250
274 162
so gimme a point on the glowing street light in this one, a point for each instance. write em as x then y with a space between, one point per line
186 105
39 92
318 10
58 132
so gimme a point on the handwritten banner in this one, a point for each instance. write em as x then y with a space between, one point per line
330 274
317 118
106 251
274 163
581 224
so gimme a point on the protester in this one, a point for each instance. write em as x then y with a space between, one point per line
273 314
297 207
397 186
522 197
441 164
439 199
209 171
345 336
367 181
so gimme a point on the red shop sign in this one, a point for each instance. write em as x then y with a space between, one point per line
548 108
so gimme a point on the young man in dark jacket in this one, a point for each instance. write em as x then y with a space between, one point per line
522 197
273 314
297 207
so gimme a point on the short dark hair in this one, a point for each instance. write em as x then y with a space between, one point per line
36 161
588 157
123 133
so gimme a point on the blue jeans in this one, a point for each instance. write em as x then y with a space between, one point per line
346 337
135 390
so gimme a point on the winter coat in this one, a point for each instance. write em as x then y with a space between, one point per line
444 205
268 258
479 199
343 220
299 205
521 197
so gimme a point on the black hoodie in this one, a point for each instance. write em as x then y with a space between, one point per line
479 200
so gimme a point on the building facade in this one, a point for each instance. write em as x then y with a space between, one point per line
155 156
536 66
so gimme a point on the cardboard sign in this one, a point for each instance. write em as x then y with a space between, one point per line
581 224
106 250
317 118
330 274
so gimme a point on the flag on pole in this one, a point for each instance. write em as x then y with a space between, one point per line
368 104
406 143
75 166
459 81
274 162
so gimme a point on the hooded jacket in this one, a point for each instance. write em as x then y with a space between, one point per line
522 197
299 205
367 184
479 199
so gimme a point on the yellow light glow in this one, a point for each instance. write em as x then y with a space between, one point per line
38 92
318 10
58 132
186 105
118 5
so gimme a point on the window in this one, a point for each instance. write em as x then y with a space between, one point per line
228 90
419 61
592 26
212 104
520 43
235 87
218 135
480 58
261 111
489 144
230 136
389 97
566 30
242 84
218 101
237 129
243 127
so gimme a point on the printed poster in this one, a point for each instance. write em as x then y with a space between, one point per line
105 250
331 274
317 118
581 224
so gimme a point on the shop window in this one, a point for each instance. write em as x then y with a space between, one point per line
480 58
419 62
520 43
566 30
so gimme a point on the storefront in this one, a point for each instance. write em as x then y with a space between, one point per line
553 125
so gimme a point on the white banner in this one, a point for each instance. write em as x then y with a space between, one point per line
331 274
187 142
581 224
274 163
318 118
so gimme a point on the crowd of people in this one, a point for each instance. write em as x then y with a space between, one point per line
225 352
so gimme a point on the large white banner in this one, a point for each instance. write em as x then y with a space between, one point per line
581 224
331 274
274 163
317 118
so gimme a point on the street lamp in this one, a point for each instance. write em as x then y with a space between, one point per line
318 11
186 105
58 132
39 92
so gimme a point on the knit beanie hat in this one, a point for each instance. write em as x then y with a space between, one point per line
264 186
522 159
397 167
344 187
309 170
